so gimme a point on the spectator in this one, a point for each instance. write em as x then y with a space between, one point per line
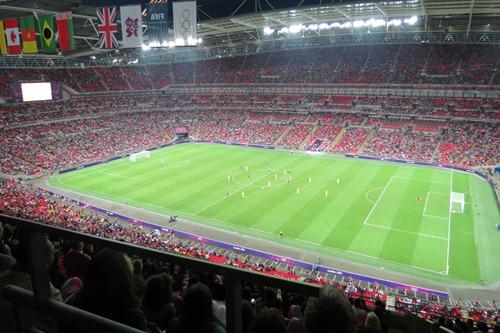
331 312
196 314
268 321
247 315
6 260
372 324
76 261
157 300
359 314
382 315
108 290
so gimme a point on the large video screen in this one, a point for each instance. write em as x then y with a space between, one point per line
38 91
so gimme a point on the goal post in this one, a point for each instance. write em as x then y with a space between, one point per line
457 202
142 154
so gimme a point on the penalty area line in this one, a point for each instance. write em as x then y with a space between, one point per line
376 202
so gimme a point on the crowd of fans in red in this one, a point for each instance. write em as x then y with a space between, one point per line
22 199
373 64
63 134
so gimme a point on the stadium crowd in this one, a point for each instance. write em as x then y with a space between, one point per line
472 65
44 137
155 296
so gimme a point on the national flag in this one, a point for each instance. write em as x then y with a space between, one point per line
158 24
65 37
184 14
12 35
28 34
131 20
107 27
3 45
47 33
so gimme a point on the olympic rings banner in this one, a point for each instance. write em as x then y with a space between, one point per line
184 14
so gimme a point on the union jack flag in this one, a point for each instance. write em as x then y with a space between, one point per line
107 27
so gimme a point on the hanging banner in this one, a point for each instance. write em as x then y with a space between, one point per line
107 27
3 44
131 21
12 34
185 23
47 33
158 24
65 37
28 34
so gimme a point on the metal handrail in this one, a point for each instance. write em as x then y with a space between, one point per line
64 313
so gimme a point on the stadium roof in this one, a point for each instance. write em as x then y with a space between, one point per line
230 23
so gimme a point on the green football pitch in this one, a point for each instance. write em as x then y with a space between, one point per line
395 216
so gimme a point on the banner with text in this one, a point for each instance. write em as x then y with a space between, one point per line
158 24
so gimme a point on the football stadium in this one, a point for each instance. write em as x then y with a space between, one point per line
249 166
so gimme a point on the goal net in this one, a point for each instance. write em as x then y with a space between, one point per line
457 202
141 154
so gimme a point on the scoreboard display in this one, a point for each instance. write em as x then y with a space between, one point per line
35 91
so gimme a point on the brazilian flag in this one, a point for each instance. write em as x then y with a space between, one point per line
47 33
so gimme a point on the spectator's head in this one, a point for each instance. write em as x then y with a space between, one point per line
158 292
372 323
109 279
331 312
137 263
268 321
295 312
197 305
77 246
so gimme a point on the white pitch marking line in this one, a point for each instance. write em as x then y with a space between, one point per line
425 205
242 187
406 231
421 180
435 217
449 226
114 175
370 191
376 202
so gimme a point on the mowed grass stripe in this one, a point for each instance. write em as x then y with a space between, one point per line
215 184
142 187
399 246
179 182
356 206
463 251
256 202
307 206
291 205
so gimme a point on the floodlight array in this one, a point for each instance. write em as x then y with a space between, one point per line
190 41
370 23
